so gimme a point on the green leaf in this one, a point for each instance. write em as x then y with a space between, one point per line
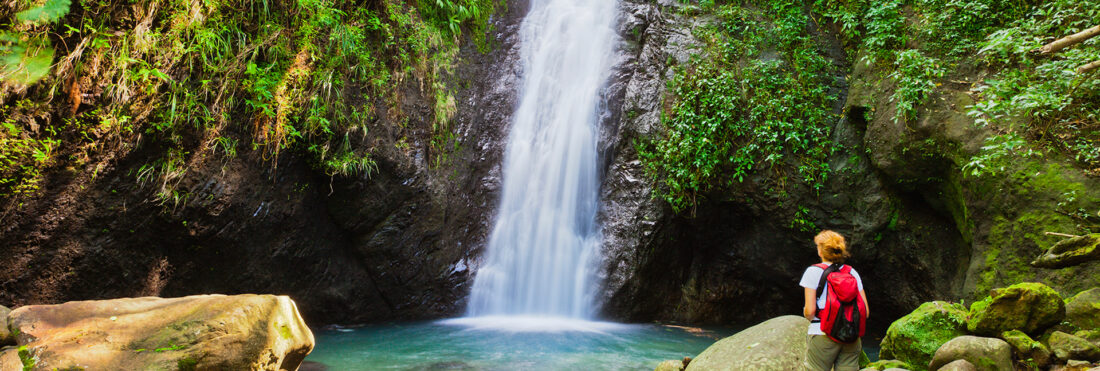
49 12
25 63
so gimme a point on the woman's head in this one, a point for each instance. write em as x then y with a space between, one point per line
831 246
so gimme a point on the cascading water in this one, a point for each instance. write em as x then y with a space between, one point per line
531 306
545 239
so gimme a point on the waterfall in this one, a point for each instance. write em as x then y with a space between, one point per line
545 241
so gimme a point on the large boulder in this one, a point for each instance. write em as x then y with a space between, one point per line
987 354
958 365
1083 309
6 337
1025 348
915 337
1070 252
1067 347
208 332
1030 307
777 344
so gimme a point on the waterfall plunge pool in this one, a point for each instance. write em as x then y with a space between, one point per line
509 343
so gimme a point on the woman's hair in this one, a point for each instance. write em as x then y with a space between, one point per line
832 246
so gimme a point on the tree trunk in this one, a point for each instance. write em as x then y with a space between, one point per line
1088 67
1070 40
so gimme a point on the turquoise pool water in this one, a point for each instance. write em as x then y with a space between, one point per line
508 343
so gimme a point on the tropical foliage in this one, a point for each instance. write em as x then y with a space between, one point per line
184 79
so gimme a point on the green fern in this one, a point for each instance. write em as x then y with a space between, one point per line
49 12
24 62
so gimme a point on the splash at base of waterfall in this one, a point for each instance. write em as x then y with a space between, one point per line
533 324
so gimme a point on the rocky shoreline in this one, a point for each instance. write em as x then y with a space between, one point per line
1027 326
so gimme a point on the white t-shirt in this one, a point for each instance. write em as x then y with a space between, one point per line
809 280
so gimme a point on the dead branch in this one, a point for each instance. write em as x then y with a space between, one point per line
1060 234
1070 40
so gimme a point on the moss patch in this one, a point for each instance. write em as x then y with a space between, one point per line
1029 307
1083 309
915 338
889 363
1026 349
187 364
284 332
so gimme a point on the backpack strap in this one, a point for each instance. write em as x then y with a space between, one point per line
821 283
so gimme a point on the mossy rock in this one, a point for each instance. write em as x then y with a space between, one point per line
1025 348
888 364
864 360
1066 347
1083 309
913 339
1093 336
1070 252
1030 307
240 332
6 336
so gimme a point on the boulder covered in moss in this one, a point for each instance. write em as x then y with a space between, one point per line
778 344
1030 307
207 332
1083 309
1066 347
1070 252
987 354
1026 348
915 337
887 364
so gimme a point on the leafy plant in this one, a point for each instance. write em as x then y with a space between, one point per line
997 154
49 12
734 114
916 76
28 360
309 76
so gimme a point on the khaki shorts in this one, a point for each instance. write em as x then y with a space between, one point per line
822 354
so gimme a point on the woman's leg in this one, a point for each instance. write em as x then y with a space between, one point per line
821 352
848 359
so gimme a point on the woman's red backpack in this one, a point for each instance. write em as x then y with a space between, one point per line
844 317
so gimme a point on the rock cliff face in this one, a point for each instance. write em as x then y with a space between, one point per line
397 244
918 228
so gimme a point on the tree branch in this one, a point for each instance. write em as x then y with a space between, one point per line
1088 67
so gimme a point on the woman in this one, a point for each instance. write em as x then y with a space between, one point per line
822 352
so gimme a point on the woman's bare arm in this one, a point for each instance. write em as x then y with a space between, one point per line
809 308
865 303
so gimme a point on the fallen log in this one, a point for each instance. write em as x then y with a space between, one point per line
1070 40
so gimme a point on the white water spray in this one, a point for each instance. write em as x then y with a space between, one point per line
545 240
